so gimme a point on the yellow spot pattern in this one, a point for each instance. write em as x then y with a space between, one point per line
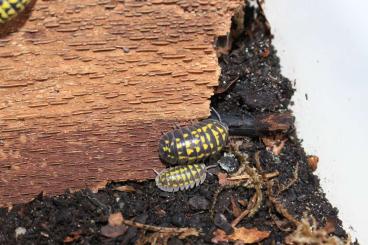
194 145
10 8
181 177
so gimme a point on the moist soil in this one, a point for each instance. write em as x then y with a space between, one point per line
254 86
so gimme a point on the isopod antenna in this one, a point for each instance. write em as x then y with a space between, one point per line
217 114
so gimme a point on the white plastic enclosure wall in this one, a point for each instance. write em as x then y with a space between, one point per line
323 46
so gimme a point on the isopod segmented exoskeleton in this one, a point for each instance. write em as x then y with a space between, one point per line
181 177
10 8
192 144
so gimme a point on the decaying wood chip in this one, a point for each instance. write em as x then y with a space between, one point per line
125 188
258 126
313 162
283 121
242 234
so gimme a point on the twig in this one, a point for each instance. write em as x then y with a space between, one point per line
278 222
218 191
292 181
240 177
246 176
258 161
257 182
223 89
278 206
182 232
246 212
271 175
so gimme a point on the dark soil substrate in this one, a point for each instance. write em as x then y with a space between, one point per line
259 88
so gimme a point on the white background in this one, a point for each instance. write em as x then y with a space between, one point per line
323 46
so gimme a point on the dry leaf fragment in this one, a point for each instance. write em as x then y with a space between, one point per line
73 236
274 143
125 188
116 219
249 235
242 234
313 162
219 236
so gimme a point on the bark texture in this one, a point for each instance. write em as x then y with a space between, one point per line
87 87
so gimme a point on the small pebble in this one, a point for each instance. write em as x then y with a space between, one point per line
20 231
198 203
178 220
222 223
229 163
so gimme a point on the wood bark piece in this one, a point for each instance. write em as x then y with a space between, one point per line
260 125
87 87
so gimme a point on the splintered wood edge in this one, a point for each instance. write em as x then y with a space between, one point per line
86 90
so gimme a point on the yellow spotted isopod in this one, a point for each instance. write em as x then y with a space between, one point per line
193 144
181 177
10 8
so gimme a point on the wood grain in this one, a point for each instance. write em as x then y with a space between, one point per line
87 87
